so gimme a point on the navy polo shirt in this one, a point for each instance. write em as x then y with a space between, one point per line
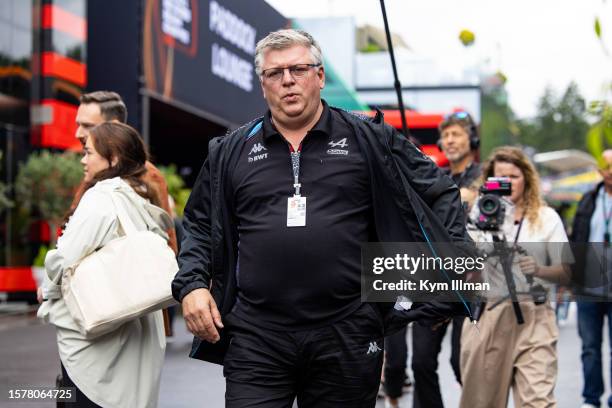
301 277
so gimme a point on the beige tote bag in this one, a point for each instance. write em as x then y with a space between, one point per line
127 278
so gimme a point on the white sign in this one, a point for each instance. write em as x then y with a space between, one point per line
176 15
232 28
225 63
232 68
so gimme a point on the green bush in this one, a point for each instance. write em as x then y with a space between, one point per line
5 202
46 184
176 188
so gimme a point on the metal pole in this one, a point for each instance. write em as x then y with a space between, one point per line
398 86
146 118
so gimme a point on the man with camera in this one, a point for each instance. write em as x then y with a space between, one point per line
459 141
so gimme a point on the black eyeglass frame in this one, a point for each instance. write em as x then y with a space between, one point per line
282 70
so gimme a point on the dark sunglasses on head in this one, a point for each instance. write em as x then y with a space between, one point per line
458 115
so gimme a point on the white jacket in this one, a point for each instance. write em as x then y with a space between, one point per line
121 368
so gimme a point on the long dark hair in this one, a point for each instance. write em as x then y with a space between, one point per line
120 142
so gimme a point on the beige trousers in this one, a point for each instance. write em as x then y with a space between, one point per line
503 354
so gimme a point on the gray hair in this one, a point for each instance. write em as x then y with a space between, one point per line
283 39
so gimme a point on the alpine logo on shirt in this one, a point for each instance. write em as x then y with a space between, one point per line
338 147
256 153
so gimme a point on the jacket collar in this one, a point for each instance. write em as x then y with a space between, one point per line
324 125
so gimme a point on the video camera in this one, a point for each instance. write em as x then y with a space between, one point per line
492 209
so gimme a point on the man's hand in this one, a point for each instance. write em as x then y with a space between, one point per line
201 315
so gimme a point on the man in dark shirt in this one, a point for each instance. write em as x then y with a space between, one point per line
459 141
273 232
304 286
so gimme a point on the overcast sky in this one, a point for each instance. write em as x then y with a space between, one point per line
535 43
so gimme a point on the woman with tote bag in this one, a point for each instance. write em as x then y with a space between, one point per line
121 368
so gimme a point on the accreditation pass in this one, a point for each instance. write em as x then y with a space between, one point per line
296 211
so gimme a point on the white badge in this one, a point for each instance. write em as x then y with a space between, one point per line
296 211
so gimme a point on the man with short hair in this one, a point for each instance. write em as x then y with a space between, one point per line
458 141
97 107
106 106
269 275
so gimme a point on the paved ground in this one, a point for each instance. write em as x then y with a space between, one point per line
569 382
28 356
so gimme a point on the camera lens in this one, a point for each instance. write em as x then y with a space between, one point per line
489 205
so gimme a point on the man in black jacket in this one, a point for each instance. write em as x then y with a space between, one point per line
592 224
269 275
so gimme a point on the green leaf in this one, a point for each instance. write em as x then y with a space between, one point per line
607 132
597 27
595 107
467 37
595 141
40 258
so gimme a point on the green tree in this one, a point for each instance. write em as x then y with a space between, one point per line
599 136
497 117
559 124
45 186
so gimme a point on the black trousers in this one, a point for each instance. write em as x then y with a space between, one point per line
396 357
426 345
81 401
334 366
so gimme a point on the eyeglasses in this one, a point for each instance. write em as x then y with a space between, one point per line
297 71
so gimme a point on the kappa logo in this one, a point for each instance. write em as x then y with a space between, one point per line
257 148
334 147
373 348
